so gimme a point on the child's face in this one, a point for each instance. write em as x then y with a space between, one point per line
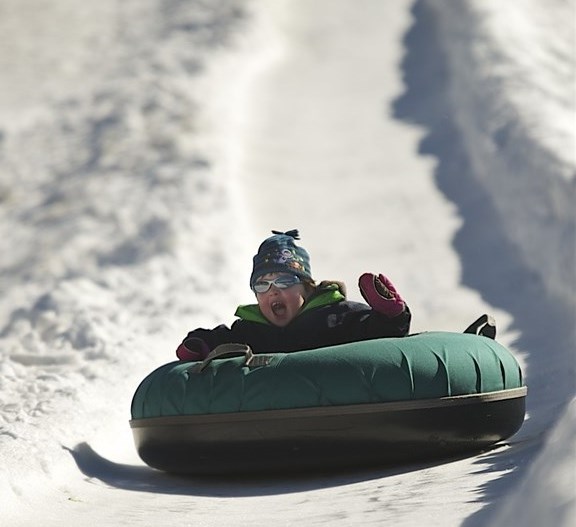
280 306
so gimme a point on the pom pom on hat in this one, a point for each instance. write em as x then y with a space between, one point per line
280 254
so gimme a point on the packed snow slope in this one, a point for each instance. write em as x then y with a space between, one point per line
146 148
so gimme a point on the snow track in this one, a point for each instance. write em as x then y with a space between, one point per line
145 150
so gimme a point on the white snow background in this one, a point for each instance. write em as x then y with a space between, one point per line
146 148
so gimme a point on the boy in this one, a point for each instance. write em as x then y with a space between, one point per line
293 313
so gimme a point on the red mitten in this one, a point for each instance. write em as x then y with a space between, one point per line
192 349
381 295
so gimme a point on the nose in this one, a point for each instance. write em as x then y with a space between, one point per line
273 290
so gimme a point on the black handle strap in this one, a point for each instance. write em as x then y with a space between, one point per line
484 326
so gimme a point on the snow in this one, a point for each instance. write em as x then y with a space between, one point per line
147 148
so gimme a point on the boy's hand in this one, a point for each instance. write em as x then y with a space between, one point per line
192 349
380 294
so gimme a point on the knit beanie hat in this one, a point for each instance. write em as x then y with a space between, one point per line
279 254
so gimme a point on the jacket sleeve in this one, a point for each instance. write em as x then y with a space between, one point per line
398 326
210 338
359 321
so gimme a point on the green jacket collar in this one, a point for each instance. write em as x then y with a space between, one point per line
328 295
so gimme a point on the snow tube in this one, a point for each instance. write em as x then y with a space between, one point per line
377 402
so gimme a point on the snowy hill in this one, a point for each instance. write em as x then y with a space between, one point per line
146 149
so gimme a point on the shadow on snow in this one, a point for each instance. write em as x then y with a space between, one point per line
491 262
141 478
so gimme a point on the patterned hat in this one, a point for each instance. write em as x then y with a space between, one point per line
279 254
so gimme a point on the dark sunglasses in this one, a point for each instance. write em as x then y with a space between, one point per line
281 282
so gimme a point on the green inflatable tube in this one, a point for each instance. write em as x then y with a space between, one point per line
425 396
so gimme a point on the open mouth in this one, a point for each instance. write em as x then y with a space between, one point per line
278 308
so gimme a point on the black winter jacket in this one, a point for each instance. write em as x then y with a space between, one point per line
326 319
